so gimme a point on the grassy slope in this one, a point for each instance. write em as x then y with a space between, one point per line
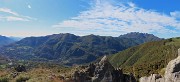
147 58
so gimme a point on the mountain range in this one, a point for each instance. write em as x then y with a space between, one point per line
70 49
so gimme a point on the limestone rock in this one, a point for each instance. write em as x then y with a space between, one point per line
172 73
102 71
103 60
152 78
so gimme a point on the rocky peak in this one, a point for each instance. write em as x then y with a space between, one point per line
102 71
103 60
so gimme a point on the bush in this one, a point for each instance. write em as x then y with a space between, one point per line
22 79
162 71
20 68
4 79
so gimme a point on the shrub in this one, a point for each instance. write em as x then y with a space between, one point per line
20 68
162 71
22 79
4 79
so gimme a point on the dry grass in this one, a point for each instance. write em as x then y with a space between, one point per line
56 74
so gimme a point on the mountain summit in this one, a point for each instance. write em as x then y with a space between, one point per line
140 37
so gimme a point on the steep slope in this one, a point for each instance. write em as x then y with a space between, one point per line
67 48
171 73
147 58
5 40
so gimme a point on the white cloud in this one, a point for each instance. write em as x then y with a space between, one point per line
13 16
6 10
175 14
29 6
105 17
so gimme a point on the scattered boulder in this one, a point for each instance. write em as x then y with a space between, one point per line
152 78
102 71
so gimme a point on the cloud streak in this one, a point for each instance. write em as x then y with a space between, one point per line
104 17
6 10
13 16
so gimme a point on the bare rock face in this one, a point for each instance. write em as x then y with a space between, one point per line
172 73
102 71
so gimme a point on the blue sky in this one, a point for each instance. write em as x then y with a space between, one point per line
82 17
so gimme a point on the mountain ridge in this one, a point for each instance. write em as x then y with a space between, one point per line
68 48
5 40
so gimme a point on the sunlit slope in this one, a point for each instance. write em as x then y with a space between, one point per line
147 58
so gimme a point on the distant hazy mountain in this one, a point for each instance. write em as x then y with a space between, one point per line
140 37
5 40
70 49
15 38
148 58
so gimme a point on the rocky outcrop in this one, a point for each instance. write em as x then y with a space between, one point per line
152 78
102 71
172 73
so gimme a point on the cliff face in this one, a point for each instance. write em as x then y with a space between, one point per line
172 73
102 71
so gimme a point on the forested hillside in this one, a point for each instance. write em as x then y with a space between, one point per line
148 58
